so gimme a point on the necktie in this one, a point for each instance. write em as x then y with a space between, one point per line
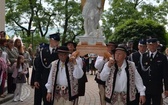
53 50
151 57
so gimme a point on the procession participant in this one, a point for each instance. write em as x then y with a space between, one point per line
81 82
122 79
46 56
37 92
62 85
136 58
154 73
100 61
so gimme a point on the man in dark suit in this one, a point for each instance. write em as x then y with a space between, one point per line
136 57
46 56
37 91
154 73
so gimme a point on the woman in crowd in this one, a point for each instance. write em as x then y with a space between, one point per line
20 70
12 56
3 68
27 60
19 46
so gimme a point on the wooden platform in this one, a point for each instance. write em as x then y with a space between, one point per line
99 48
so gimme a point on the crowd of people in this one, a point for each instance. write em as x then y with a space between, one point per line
59 74
15 62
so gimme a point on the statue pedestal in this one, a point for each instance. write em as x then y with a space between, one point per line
91 44
91 40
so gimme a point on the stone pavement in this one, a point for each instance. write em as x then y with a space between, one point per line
91 97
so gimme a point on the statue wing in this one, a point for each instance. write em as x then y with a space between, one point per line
82 3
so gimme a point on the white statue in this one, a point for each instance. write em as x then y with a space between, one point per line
92 11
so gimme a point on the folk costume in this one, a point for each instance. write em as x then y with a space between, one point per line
121 82
63 81
82 81
99 64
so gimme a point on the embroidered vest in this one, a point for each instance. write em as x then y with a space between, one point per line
72 82
110 81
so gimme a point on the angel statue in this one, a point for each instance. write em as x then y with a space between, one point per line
92 10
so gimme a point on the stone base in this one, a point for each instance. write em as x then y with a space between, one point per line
91 40
84 48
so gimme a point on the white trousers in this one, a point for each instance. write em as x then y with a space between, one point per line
18 91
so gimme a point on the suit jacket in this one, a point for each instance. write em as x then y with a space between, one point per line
155 72
44 64
135 57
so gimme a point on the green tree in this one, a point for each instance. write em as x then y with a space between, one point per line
122 10
55 14
139 29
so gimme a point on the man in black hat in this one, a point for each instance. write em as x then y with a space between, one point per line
122 79
46 56
154 73
71 46
136 57
81 82
62 85
100 61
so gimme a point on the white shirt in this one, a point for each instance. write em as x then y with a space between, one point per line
50 48
154 53
100 63
61 77
20 69
121 80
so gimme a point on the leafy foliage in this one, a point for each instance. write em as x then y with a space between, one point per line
64 16
140 29
45 15
123 10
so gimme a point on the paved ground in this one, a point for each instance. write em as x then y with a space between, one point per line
91 97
